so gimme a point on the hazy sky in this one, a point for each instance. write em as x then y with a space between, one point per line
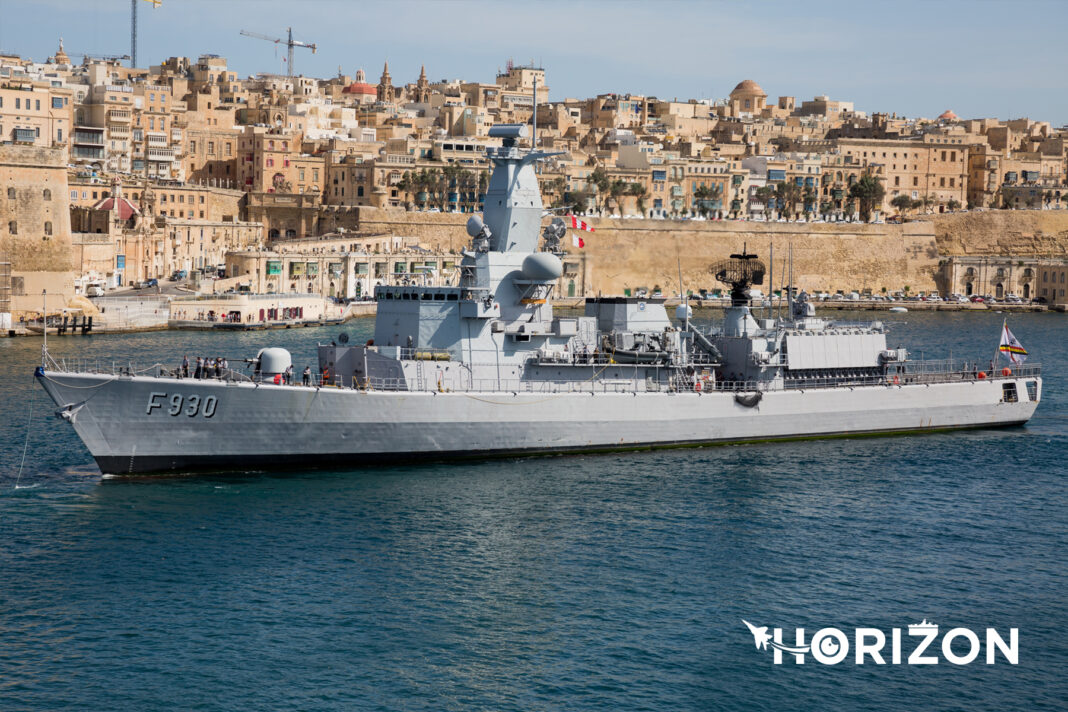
980 58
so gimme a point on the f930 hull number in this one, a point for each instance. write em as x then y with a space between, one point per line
176 404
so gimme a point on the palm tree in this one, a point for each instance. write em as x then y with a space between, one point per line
788 193
615 190
706 196
808 198
640 192
599 179
869 192
765 194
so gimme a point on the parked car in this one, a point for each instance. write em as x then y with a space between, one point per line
179 275
94 290
976 299
150 283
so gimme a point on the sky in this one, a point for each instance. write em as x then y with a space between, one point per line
981 58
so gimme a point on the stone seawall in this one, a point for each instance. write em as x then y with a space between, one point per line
646 253
1023 233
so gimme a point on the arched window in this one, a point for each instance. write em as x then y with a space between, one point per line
291 233
13 227
47 194
10 193
272 234
48 228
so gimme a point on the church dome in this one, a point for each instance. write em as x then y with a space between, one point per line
948 115
748 86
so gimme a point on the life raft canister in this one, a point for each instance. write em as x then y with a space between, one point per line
1006 372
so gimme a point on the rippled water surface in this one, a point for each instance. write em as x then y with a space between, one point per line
610 582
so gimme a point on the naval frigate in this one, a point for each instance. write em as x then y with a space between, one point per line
485 368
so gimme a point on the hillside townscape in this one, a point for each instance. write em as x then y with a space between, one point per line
113 176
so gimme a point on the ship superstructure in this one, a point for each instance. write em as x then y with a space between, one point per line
486 368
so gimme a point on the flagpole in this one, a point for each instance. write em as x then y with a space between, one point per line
997 353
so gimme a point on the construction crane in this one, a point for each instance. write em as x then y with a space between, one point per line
290 43
133 29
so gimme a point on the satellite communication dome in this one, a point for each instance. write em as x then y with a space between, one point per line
474 225
542 266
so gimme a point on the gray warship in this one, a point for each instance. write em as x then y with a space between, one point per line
485 368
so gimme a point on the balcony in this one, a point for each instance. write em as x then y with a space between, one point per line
156 138
88 136
119 116
87 152
161 154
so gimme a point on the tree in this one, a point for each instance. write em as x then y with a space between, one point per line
640 192
902 202
765 194
617 189
869 192
706 196
599 179
788 194
953 204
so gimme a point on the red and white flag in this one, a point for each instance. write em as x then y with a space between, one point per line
577 224
577 241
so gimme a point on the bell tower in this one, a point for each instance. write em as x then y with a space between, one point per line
386 93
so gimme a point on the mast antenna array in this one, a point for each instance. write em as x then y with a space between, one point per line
741 271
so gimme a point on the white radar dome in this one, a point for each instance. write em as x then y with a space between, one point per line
542 266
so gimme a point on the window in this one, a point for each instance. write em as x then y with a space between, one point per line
315 174
59 135
300 174
48 228
202 200
18 103
192 147
229 148
47 194
13 227
10 193
57 102
37 104
915 181
211 147
943 155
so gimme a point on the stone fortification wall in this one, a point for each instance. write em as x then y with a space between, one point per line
1023 233
33 193
645 253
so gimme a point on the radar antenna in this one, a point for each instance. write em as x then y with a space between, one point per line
741 271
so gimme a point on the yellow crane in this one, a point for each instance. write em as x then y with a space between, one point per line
289 42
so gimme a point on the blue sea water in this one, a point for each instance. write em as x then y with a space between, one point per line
571 583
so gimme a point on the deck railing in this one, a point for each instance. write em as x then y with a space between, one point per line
669 379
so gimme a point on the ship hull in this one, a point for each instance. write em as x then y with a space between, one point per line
137 425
